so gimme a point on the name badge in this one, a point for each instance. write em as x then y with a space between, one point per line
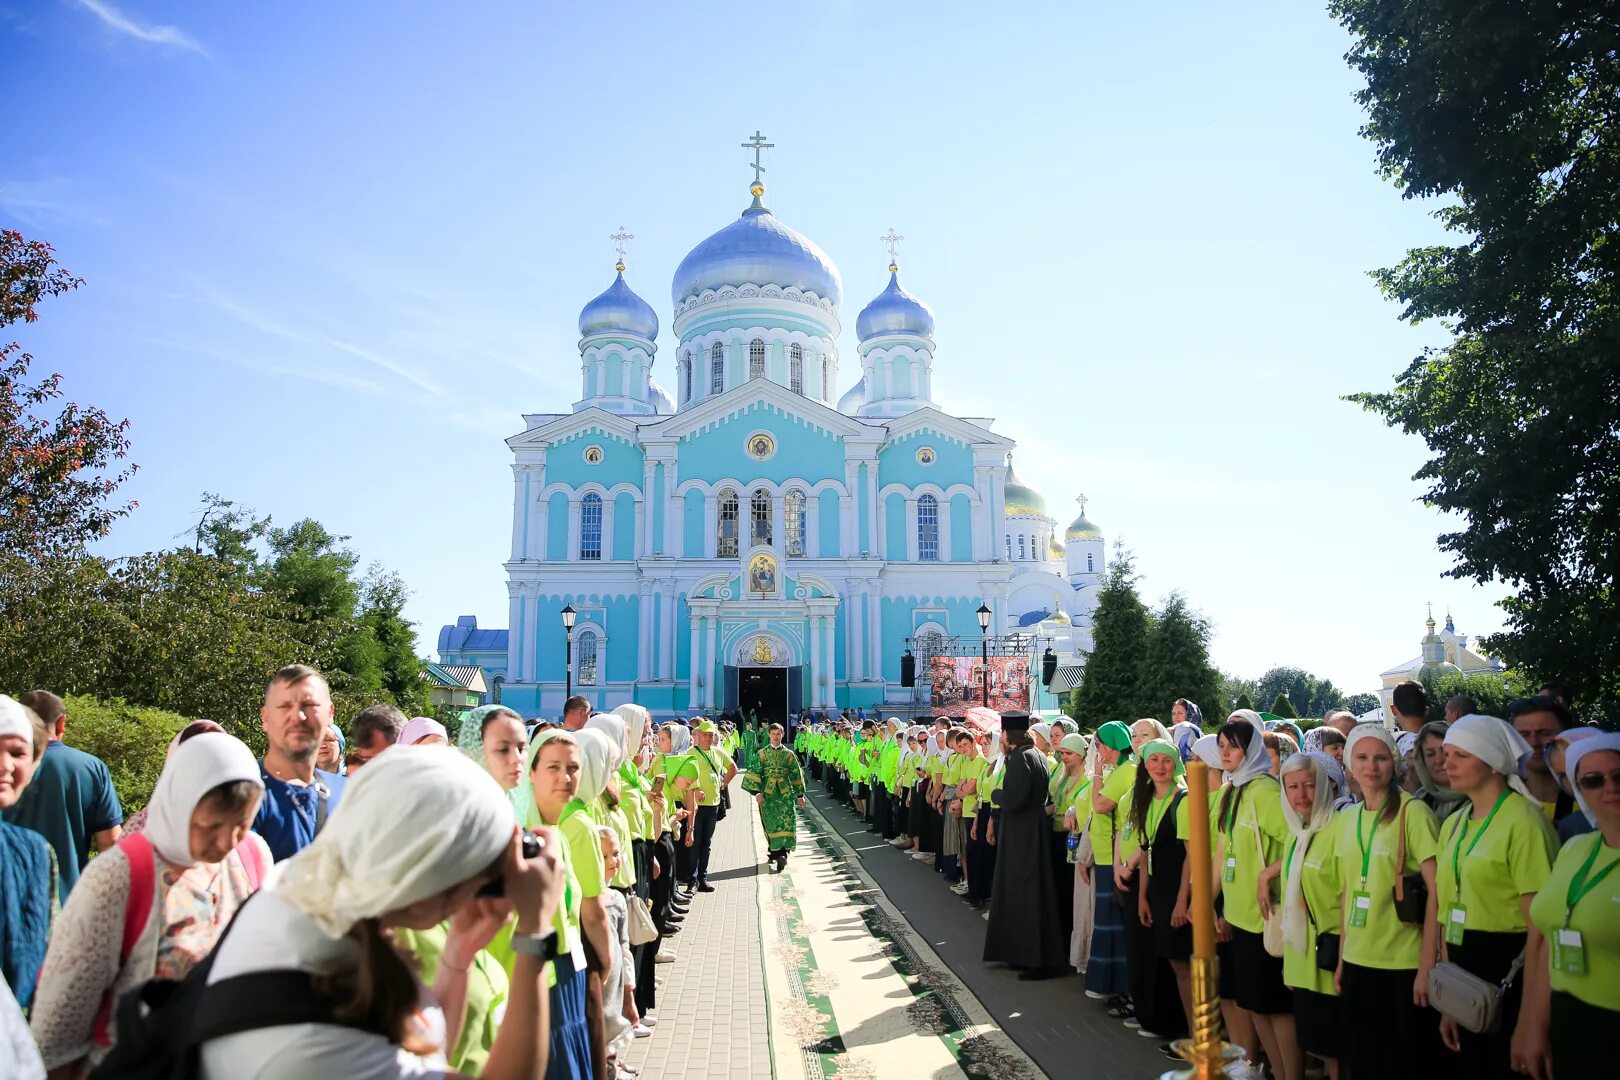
1360 905
1229 871
1456 920
1569 952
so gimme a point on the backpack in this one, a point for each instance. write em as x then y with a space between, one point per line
163 1023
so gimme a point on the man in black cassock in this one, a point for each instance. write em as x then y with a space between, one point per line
1025 928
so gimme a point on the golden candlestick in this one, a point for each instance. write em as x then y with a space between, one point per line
1205 1050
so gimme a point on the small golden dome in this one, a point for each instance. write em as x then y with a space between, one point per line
1022 501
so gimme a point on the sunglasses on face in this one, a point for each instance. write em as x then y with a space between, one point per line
1594 781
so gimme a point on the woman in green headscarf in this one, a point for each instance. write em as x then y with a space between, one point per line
1112 776
494 737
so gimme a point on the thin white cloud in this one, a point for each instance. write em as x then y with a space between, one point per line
38 203
118 22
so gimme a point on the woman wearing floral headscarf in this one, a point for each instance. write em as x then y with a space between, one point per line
494 737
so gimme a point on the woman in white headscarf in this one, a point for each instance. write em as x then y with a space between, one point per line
419 834
1384 960
1310 904
157 903
1495 855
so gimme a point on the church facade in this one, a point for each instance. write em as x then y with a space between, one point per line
755 538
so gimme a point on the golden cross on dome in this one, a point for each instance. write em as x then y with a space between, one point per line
621 241
757 144
892 241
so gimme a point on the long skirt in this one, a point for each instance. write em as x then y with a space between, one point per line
570 1055
1489 955
1578 1050
981 858
1380 1001
951 834
917 818
1063 873
878 809
780 820
1105 973
1141 962
1085 916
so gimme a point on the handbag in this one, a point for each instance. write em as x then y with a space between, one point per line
1411 891
1271 934
1473 1003
1327 941
641 926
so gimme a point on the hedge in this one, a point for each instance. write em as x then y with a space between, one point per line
131 739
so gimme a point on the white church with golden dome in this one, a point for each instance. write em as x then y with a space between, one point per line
752 537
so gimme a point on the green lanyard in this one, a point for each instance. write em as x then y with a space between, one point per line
1462 834
1163 806
1580 884
1367 844
1232 815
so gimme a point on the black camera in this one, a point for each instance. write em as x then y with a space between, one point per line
532 847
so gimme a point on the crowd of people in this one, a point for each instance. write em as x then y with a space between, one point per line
1391 900
385 901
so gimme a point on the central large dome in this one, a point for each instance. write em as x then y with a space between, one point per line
758 249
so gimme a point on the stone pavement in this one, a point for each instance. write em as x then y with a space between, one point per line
711 1000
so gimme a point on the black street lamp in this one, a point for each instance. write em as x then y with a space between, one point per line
984 648
568 617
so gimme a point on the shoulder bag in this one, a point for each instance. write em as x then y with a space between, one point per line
1475 1005
641 926
1272 932
1411 891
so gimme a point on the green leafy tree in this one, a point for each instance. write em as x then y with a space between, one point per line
1490 691
1503 112
1178 660
58 460
382 615
230 533
1292 682
1243 702
1114 684
1284 708
1360 704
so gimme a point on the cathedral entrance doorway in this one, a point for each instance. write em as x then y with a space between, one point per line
763 691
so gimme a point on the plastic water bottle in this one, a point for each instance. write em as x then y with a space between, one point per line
1074 848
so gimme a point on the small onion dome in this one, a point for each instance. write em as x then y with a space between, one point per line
663 403
758 249
1081 528
619 309
1054 550
1022 501
853 398
895 311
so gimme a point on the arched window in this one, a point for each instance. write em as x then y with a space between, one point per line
686 378
590 527
1009 549
760 517
793 510
717 369
585 660
796 369
726 527
1089 568
1021 555
756 358
495 689
928 529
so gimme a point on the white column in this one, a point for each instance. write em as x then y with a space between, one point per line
711 505
812 526
815 660
644 658
644 508
874 635
779 535
945 552
514 641
531 620
539 525
520 510
910 527
666 641
674 517
695 664
572 552
641 544
871 497
828 628
850 517
983 531
608 502
856 627
709 661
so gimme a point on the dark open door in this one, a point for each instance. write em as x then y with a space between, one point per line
795 689
728 700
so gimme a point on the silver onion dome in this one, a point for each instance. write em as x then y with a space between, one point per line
663 403
895 311
853 398
619 309
758 249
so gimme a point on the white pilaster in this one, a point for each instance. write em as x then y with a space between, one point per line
695 661
910 527
572 552
709 664
520 510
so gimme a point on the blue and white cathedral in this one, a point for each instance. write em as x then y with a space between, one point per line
757 539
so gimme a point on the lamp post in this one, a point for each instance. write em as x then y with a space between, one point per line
984 652
568 617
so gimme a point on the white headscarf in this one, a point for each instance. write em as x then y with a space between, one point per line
419 728
613 726
414 822
1256 762
596 751
1569 738
1495 743
1159 730
197 766
1207 748
680 738
1295 925
1043 730
1607 740
1184 735
636 721
14 720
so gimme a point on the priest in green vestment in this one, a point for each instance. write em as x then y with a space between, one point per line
777 784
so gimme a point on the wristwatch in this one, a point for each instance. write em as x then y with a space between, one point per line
545 946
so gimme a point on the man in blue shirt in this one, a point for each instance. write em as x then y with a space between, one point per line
71 801
298 797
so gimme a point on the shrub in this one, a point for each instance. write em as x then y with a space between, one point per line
131 739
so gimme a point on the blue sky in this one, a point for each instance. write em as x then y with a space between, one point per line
332 253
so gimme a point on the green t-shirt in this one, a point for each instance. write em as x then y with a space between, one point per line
619 822
975 769
1062 790
487 989
584 852
1323 888
1254 837
1594 918
709 767
1115 786
1498 866
1385 942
